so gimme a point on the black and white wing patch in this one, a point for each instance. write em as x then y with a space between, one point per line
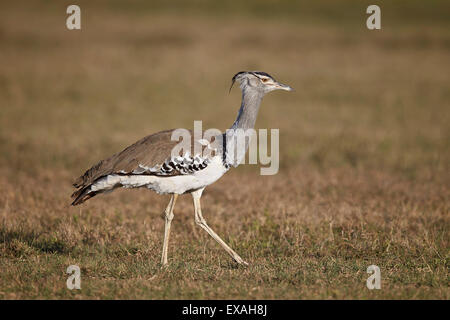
175 166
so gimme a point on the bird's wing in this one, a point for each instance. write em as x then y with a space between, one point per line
151 155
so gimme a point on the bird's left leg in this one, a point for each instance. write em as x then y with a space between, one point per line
168 216
202 223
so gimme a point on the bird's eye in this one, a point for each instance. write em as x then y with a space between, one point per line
264 79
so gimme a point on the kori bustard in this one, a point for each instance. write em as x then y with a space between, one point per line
150 162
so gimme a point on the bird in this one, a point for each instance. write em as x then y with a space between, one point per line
151 163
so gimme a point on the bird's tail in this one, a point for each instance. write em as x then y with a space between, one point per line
81 195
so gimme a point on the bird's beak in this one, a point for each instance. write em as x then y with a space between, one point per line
283 87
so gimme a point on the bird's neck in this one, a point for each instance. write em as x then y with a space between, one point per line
237 138
251 100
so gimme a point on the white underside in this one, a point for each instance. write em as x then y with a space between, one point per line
163 185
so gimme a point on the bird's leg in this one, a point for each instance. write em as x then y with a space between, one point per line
202 223
168 216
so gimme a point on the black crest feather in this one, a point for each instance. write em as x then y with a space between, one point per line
234 79
255 73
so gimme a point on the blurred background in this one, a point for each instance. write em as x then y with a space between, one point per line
364 98
365 134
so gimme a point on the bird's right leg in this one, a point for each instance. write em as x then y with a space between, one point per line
202 223
168 216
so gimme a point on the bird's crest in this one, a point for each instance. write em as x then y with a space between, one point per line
255 73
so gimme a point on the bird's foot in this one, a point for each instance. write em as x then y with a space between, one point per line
164 264
240 260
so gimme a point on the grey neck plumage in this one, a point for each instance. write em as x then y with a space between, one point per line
236 142
251 101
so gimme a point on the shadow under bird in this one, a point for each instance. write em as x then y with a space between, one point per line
150 163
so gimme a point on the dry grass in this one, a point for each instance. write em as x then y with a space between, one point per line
364 175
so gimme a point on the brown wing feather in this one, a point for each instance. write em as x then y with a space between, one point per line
150 151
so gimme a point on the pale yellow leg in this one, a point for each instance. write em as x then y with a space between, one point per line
168 216
202 223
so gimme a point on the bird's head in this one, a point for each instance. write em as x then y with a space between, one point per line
259 81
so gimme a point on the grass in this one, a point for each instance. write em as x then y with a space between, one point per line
364 149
